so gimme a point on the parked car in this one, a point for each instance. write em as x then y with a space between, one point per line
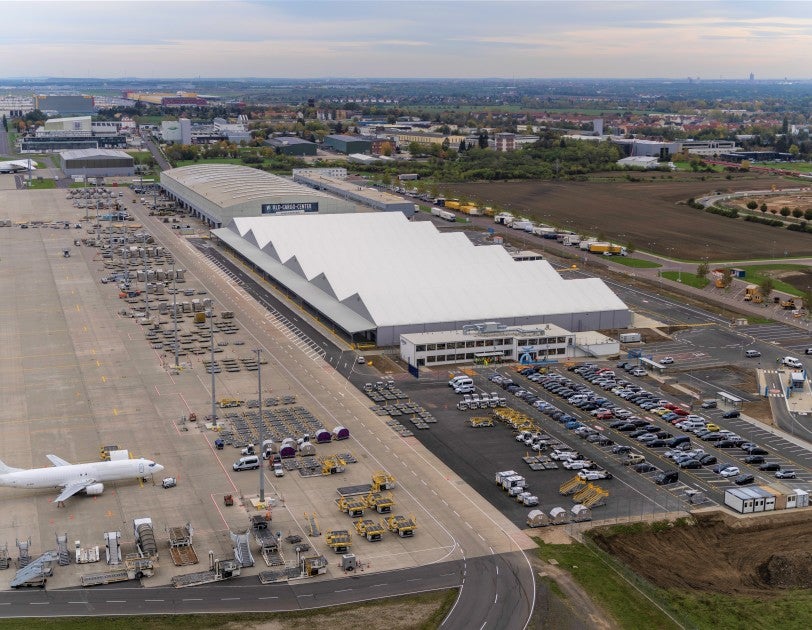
752 354
785 474
594 475
666 360
770 466
743 480
754 459
731 414
644 467
666 477
730 471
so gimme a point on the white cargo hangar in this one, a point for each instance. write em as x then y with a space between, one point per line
217 193
376 276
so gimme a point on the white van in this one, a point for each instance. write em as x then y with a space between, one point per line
460 377
465 384
792 362
249 462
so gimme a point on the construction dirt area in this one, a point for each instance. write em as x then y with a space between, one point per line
774 203
649 213
757 556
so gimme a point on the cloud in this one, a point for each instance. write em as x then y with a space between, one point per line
418 38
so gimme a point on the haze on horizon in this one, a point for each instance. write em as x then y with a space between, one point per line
416 39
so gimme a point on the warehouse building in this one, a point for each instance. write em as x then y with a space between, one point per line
348 144
291 145
219 193
97 163
377 276
64 103
363 194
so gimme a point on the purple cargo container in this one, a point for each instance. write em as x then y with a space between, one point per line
286 452
323 436
341 433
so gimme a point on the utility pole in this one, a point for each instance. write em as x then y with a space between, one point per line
146 277
261 428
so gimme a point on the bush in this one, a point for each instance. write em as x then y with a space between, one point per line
797 213
785 211
763 207
808 214
764 221
752 205
731 213
800 227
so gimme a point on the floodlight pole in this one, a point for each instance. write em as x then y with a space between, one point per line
261 429
211 367
175 309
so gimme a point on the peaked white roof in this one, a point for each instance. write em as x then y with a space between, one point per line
395 272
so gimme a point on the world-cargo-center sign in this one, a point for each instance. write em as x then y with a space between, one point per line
289 208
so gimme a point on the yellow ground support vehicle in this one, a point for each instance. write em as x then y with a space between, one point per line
403 526
371 530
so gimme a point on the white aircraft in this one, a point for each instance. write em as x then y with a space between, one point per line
74 478
15 166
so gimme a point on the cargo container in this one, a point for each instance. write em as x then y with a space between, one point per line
472 210
522 224
571 239
602 248
503 218
452 204
630 337
544 232
537 518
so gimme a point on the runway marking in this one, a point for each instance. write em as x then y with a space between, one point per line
6 604
495 597
377 585
146 600
273 597
38 603
116 601
343 590
192 599
306 595
414 580
228 599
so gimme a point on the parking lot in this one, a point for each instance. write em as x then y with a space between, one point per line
602 439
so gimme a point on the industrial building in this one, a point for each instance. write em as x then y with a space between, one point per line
363 194
348 144
64 103
177 131
218 193
490 342
291 145
377 276
97 163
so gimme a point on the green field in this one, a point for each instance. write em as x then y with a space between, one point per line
635 603
798 167
639 263
754 274
42 184
686 278
594 571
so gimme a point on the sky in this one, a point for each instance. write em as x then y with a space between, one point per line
421 39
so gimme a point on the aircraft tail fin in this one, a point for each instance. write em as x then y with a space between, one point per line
7 469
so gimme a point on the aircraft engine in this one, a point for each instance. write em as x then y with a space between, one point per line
94 489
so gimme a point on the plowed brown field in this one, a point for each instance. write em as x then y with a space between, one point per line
750 556
647 213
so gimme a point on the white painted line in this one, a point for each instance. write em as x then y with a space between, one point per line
274 597
306 595
228 599
495 597
116 601
377 585
343 590
38 603
146 600
413 580
192 599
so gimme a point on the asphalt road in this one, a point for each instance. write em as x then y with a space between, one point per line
5 145
239 594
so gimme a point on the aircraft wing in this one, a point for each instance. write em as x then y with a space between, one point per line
72 488
57 461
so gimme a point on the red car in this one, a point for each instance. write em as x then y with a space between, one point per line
604 415
680 412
